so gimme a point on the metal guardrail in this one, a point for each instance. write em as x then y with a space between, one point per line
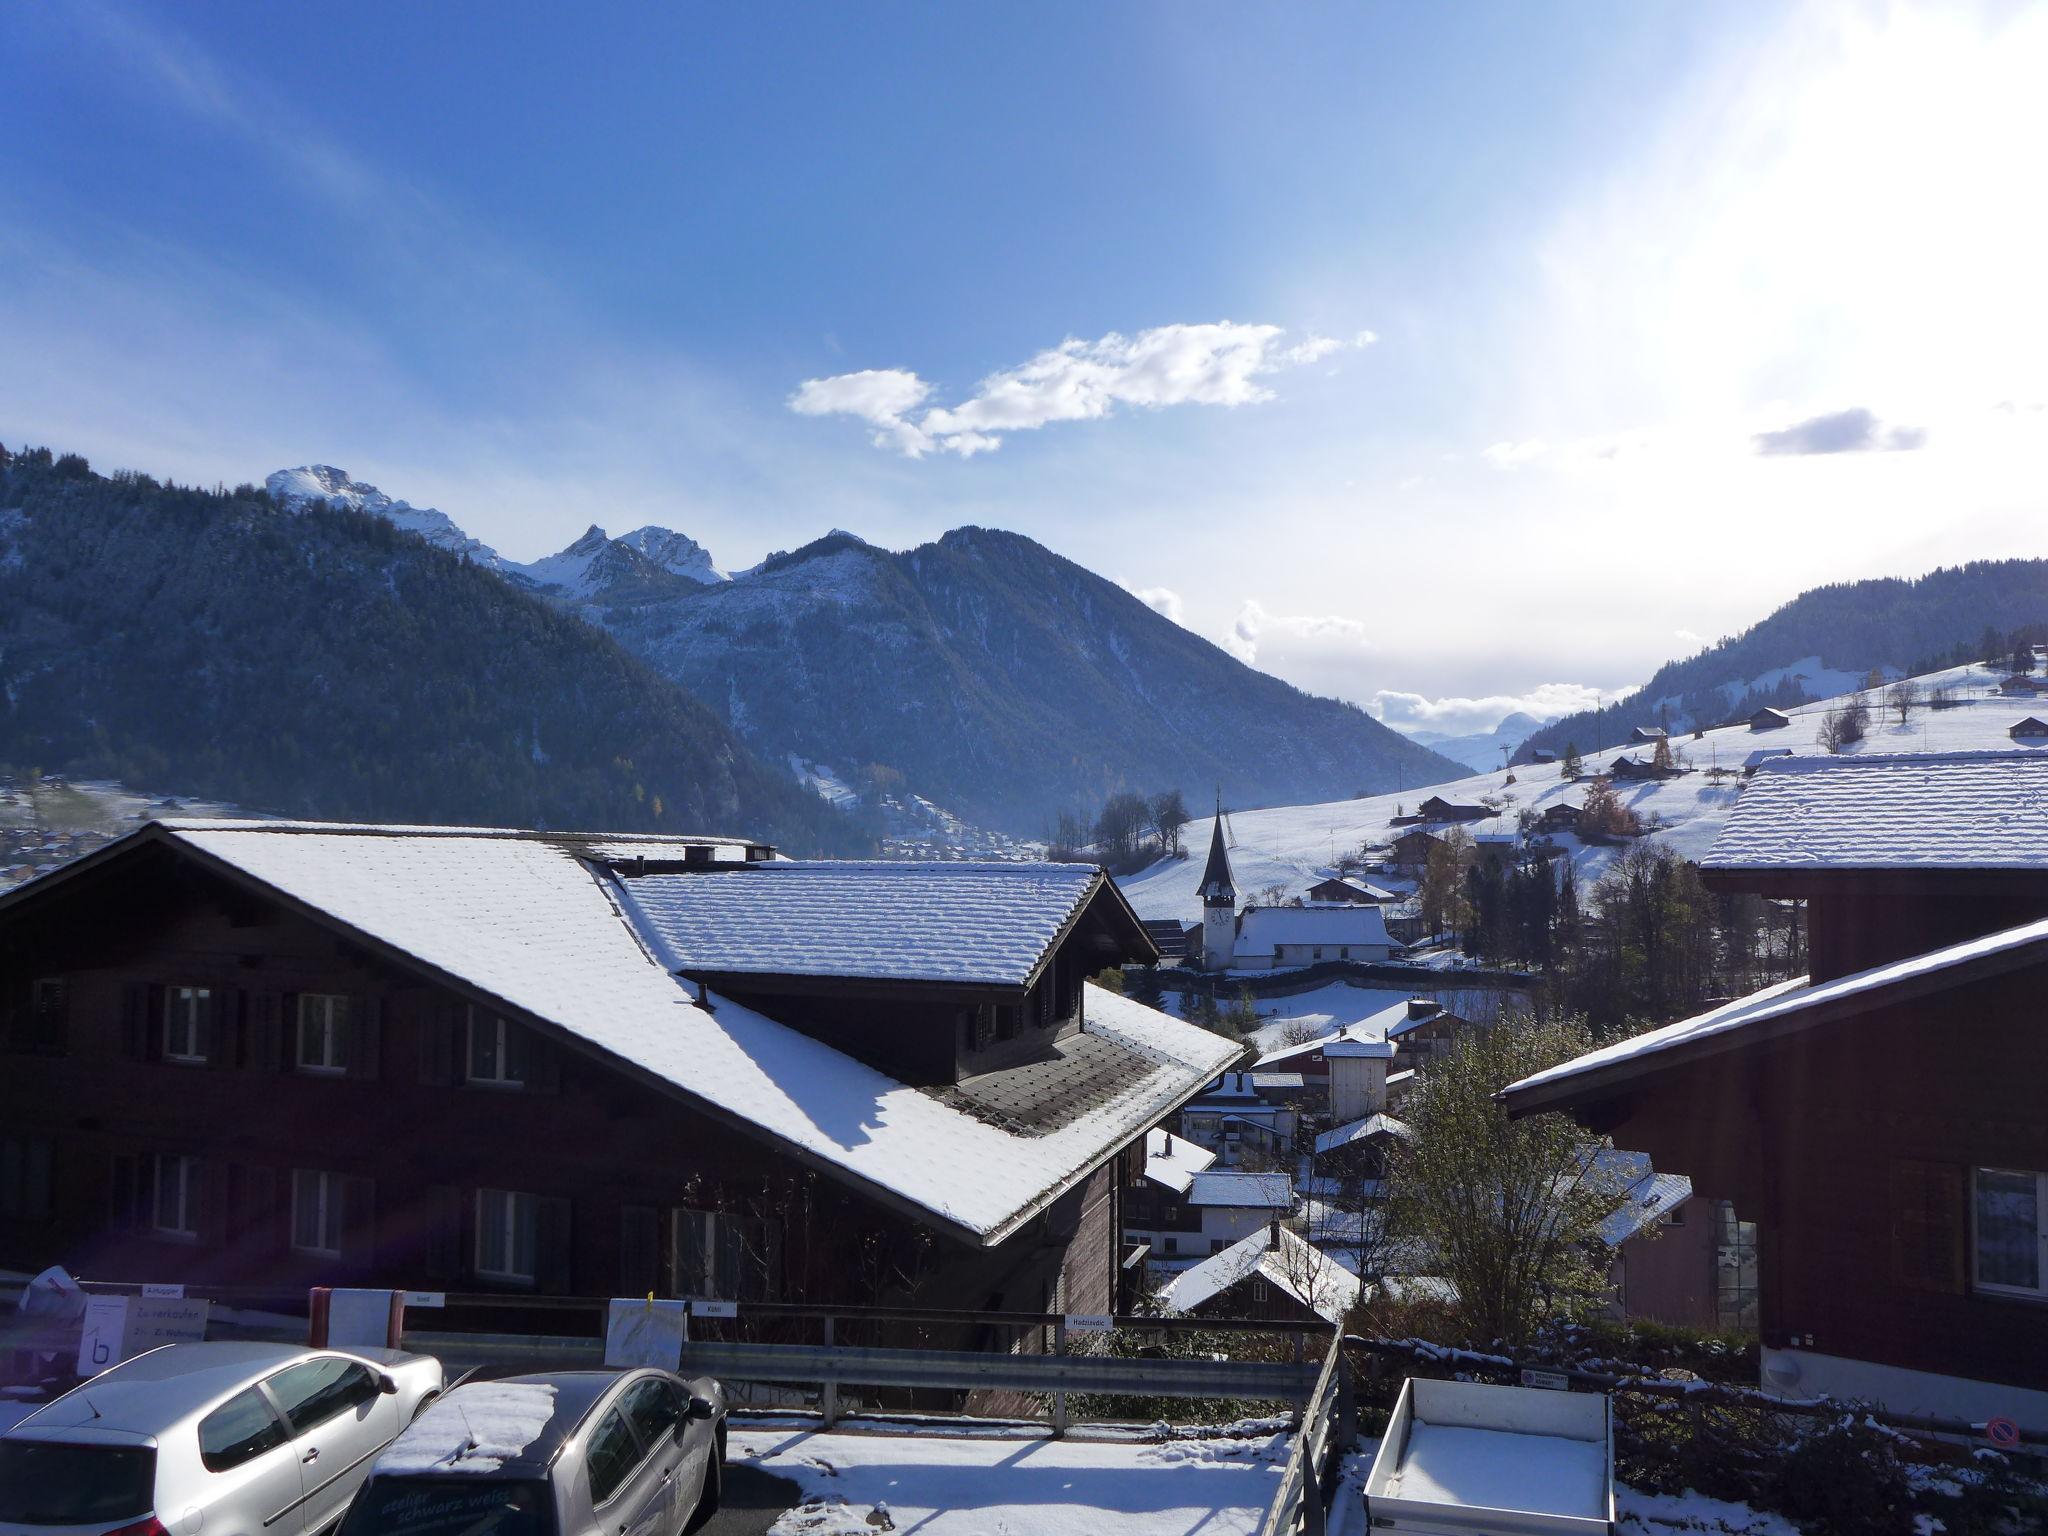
1315 1462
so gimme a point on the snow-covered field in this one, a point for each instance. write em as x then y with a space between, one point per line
1294 846
941 1485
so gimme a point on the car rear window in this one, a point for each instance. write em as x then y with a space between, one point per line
468 1505
49 1482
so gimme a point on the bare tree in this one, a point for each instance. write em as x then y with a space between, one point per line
1904 697
1169 819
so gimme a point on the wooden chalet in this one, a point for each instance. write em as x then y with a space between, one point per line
1647 735
1438 809
276 1055
1881 1122
1768 719
1559 816
2033 728
1349 889
1410 851
1271 1273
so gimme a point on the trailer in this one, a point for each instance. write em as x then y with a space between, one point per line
1461 1458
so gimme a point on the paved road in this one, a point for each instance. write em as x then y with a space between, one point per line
752 1500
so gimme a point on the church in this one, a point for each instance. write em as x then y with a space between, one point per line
1276 938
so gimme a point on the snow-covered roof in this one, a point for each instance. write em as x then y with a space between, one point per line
1763 755
1931 810
1367 1031
1312 1277
1787 1006
1651 1197
1363 1130
1276 1082
1173 1161
1332 923
1245 1191
979 924
528 921
1371 1050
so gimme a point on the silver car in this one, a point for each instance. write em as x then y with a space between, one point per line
238 1439
568 1453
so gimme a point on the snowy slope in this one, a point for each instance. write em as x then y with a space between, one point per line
1480 750
1294 846
297 488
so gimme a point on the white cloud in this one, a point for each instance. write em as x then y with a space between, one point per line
1161 600
1465 716
1513 455
1255 627
1210 364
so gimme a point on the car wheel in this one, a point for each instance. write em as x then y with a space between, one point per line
422 1406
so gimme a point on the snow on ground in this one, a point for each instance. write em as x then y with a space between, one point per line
1294 846
983 1486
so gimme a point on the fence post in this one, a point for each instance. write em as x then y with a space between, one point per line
1347 1410
1059 1397
828 1393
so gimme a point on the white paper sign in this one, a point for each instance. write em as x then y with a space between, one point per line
106 1327
1090 1322
645 1332
164 1292
426 1298
714 1309
119 1327
358 1319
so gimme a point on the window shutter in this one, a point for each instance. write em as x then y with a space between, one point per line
1930 1221
138 1021
553 1267
259 1223
365 1037
15 1024
214 1027
441 1028
543 1060
358 1222
446 1256
271 1019
639 1250
124 1193
209 1181
692 1252
725 1280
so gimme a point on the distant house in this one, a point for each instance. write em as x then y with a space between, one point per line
1542 755
1428 1031
1348 888
1241 1119
1436 808
1271 1273
1629 770
2031 728
1560 816
1662 1245
1647 735
1269 938
1349 1065
1879 1121
1219 1208
1768 719
1358 1149
2023 685
1410 851
1760 756
1155 1204
1169 937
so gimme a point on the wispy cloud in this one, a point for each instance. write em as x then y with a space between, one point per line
1255 627
1163 601
1856 430
1219 363
1464 716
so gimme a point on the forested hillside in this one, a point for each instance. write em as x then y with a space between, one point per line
325 664
1945 617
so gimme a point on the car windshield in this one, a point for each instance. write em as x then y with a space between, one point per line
466 1505
47 1482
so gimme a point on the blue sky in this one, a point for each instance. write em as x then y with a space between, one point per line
1514 295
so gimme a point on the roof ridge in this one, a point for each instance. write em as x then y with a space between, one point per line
293 826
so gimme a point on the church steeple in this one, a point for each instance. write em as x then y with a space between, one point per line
1218 890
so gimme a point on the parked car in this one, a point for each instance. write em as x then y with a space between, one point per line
241 1439
569 1453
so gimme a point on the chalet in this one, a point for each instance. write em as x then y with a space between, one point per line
1424 1031
1233 1204
1879 1121
1647 735
1350 1065
1358 1149
1768 719
1410 851
1438 809
282 1054
1662 1254
1629 770
2023 685
1273 1273
1542 756
1349 889
1269 938
2033 728
1246 1116
1155 1210
1759 757
1559 816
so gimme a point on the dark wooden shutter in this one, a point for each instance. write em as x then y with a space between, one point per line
446 1257
441 1029
692 1253
14 1010
639 1250
215 1027
125 1205
553 1260
260 1222
1930 1225
209 1186
365 1037
543 1066
271 1017
359 1223
142 1012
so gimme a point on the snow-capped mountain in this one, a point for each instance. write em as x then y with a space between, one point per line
309 483
1480 750
676 553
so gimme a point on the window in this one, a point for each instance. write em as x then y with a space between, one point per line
506 1226
612 1456
25 1178
1319 952
41 1031
316 1213
318 1390
1173 1245
2010 1241
1344 952
323 1034
654 1408
239 1430
497 1051
185 1011
722 1257
174 1197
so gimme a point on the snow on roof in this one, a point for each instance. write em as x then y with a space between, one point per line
1763 755
1173 1161
1276 1082
476 1428
1363 1130
1337 923
1370 1030
1933 810
981 924
1264 1191
1787 1001
1650 1199
525 920
1313 1278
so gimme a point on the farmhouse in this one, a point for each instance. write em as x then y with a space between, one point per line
1273 1274
2030 729
1559 816
1348 888
1436 809
1880 1121
1425 1031
1410 851
1768 719
1646 735
1271 937
288 1053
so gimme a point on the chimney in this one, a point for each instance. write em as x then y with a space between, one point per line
1273 1233
1423 1007
1169 1145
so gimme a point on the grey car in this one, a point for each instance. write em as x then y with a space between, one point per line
568 1453
240 1439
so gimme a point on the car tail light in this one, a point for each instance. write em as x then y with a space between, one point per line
148 1527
